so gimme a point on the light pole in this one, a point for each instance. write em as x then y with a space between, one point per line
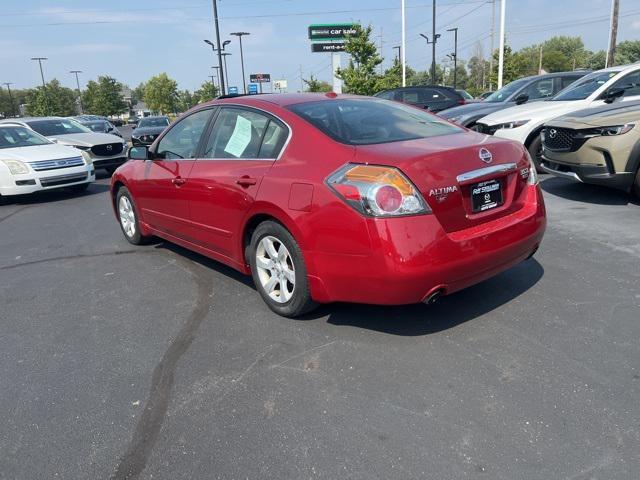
501 54
79 92
13 110
226 72
455 55
435 40
215 21
216 73
433 61
244 81
44 86
398 48
214 49
404 44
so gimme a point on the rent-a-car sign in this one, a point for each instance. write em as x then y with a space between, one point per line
331 31
327 47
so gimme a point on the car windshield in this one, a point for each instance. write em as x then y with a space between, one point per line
370 121
15 136
58 126
97 126
466 95
153 122
506 91
585 86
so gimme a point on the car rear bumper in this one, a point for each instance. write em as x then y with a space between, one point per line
413 257
50 180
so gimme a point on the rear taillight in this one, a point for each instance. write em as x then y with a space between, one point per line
461 101
532 179
377 191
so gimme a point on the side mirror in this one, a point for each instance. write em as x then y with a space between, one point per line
138 153
522 98
610 95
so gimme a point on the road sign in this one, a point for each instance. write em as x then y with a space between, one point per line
233 90
280 84
253 88
327 47
331 31
260 78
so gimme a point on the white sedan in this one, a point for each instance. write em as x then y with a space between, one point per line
30 162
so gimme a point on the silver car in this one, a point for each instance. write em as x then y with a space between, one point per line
105 150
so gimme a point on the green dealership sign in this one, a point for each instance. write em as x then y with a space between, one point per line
332 31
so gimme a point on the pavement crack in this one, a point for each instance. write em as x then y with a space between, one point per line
6 217
134 460
73 257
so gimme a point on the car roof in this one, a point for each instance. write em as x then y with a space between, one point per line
281 99
32 119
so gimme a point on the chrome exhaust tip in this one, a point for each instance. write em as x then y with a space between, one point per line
432 298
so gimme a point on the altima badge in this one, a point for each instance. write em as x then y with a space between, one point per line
485 155
442 192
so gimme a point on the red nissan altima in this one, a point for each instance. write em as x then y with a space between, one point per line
324 198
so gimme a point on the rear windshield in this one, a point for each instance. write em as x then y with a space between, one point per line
153 122
367 121
62 126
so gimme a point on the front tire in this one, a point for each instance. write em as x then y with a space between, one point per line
535 150
278 270
636 185
128 217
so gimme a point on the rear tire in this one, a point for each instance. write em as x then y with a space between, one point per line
128 217
535 150
278 270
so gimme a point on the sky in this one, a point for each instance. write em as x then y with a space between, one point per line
132 41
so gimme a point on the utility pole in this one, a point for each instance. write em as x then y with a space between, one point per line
79 92
404 45
433 46
501 55
215 20
398 48
244 79
613 33
301 80
44 86
13 109
381 46
540 61
493 31
455 55
226 72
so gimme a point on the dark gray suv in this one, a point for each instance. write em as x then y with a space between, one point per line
527 89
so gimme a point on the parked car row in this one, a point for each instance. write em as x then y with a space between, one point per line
580 125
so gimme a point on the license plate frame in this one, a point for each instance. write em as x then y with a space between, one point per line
486 196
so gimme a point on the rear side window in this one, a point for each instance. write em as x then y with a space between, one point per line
388 95
540 89
368 121
245 134
566 81
630 83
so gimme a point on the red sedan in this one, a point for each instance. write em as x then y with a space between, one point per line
324 198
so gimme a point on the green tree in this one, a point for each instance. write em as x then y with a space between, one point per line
315 85
185 100
597 60
160 94
628 52
137 94
104 97
207 91
516 65
478 69
360 76
52 100
9 106
392 76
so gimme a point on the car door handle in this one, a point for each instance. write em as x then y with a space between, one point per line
178 181
246 181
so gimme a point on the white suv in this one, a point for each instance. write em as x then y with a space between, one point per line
106 151
29 162
524 123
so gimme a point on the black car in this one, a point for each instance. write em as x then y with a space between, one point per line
148 129
527 89
431 97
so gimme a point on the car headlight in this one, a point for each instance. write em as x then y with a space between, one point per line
607 131
87 158
16 167
509 125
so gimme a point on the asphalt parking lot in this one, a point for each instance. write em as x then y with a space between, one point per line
153 362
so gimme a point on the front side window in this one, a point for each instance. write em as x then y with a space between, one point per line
388 95
61 126
369 121
240 133
585 86
181 142
13 137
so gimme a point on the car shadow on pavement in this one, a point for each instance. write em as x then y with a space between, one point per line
584 192
49 196
448 312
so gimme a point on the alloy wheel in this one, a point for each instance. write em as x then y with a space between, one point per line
127 216
276 270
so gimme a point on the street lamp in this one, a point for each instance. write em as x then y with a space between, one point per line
433 60
79 92
226 72
13 110
454 55
239 35
213 47
216 73
398 48
44 86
